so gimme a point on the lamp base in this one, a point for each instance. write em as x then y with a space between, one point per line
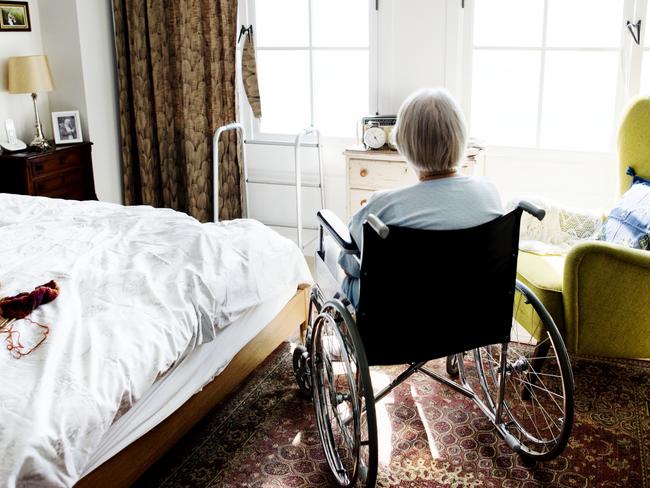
40 144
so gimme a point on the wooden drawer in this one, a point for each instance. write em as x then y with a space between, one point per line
378 175
59 183
59 161
358 198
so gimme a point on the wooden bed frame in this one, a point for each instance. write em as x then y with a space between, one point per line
128 465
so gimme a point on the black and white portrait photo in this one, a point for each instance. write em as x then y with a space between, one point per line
67 127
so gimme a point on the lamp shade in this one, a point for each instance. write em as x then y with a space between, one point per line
29 74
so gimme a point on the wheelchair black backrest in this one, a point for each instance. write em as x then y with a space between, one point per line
426 294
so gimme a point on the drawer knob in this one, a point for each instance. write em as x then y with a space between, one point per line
363 202
363 173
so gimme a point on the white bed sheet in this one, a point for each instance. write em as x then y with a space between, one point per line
200 367
140 289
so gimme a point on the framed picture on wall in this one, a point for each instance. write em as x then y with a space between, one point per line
14 16
66 127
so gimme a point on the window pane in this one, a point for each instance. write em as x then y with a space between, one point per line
340 91
585 23
645 75
281 23
504 97
579 100
284 90
508 22
338 23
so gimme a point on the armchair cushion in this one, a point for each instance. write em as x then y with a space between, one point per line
628 223
543 274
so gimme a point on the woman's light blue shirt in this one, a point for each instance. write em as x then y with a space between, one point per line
456 202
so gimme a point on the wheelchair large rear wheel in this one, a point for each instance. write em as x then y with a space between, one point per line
343 397
537 411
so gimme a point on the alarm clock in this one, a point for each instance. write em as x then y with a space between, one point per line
378 132
374 136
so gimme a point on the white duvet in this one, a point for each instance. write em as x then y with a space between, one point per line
140 287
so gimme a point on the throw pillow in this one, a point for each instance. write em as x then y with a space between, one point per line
628 223
635 177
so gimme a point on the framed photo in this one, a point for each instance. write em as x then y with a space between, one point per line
14 16
66 127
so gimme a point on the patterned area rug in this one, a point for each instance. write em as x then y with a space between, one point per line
264 436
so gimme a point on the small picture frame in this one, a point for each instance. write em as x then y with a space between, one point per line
14 17
66 127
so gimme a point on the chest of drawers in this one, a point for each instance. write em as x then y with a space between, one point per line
64 172
370 170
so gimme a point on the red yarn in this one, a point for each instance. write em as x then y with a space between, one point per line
19 307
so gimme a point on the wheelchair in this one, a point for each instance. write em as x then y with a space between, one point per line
424 295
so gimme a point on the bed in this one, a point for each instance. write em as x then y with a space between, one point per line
158 318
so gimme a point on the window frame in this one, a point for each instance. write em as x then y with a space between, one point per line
628 83
253 126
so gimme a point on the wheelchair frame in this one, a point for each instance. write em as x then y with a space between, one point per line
313 361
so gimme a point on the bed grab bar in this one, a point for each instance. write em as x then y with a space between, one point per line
215 165
297 145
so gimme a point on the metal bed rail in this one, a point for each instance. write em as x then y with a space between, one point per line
297 183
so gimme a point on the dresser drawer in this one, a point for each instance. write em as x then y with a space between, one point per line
378 175
358 198
59 183
46 165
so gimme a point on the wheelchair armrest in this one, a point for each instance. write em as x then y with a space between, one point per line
532 209
338 230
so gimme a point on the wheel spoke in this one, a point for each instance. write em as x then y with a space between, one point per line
538 405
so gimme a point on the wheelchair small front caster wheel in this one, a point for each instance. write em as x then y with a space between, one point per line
452 365
301 370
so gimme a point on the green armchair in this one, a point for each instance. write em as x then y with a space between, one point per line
599 293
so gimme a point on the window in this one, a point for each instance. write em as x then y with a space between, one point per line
645 63
313 61
547 74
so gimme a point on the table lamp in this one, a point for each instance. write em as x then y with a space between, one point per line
31 74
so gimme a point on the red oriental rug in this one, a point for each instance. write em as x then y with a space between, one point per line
429 436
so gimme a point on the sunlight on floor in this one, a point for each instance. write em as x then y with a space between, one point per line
384 426
435 454
296 440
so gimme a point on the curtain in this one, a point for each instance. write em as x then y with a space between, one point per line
249 75
176 83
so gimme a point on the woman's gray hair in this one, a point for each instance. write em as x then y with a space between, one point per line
430 131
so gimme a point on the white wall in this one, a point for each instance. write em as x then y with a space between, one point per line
19 107
100 90
78 39
412 48
65 58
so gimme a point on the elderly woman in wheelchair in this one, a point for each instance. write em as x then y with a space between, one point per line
429 271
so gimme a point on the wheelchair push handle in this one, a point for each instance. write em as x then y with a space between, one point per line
378 226
534 210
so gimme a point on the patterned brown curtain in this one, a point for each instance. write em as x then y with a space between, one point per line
176 81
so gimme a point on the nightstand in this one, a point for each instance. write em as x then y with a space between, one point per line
369 170
64 172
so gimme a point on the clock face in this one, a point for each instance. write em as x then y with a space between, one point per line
374 137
